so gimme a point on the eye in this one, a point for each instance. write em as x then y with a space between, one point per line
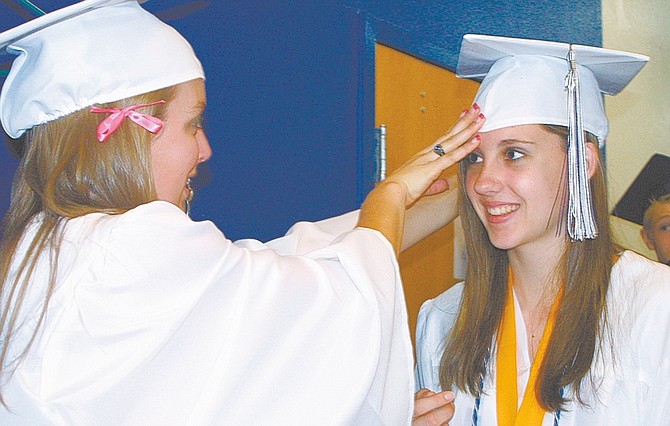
473 158
665 228
513 154
198 122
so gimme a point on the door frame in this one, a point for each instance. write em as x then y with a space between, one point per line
369 32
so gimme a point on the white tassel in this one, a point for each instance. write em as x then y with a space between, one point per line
581 224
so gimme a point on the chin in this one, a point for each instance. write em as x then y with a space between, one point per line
502 242
503 246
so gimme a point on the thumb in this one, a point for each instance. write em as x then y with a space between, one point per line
437 187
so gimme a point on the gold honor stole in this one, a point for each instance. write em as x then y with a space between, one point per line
530 412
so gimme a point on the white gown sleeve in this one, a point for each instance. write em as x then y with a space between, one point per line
640 304
436 318
161 320
305 237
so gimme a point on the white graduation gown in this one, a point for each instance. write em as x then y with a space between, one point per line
159 320
633 389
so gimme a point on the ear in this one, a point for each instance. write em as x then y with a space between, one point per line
648 241
592 158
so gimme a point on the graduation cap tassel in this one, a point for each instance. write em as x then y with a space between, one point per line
581 224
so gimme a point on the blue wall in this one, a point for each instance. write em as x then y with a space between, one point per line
291 91
433 29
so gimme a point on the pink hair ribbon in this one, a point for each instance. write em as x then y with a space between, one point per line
112 122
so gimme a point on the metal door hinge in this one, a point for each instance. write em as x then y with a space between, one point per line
380 144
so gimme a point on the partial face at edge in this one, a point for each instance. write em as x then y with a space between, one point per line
181 145
658 239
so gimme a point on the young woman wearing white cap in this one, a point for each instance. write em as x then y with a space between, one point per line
553 324
117 308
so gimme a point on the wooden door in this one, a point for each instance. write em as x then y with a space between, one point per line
418 102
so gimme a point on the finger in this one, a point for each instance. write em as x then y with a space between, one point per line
437 417
466 117
422 393
455 155
437 187
427 402
428 171
448 144
451 141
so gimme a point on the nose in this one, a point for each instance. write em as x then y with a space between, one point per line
204 149
486 178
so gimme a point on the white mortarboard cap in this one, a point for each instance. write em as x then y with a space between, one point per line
540 82
92 52
524 80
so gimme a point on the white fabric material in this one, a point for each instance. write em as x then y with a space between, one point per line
93 52
522 90
159 320
632 389
613 69
524 80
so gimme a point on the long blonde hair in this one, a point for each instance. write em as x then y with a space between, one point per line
581 321
66 173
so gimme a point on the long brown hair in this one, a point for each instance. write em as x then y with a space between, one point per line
66 173
584 267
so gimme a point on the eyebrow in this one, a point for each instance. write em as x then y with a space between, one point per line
512 141
199 107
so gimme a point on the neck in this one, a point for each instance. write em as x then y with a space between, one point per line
534 273
535 287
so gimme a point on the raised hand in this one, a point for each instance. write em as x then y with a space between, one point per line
384 208
419 175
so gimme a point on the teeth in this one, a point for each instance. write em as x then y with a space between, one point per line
497 211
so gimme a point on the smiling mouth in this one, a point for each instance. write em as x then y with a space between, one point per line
501 210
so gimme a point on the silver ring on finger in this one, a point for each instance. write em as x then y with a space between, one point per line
437 149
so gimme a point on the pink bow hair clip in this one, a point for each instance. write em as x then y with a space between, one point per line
112 122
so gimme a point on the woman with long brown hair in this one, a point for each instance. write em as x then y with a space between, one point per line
553 324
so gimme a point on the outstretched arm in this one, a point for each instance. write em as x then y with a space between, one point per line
430 214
